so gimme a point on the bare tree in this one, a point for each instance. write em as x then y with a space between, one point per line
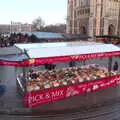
59 28
38 24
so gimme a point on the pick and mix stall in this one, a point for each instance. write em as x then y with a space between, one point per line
39 86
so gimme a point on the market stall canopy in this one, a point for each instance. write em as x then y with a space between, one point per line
43 35
45 50
10 51
108 36
55 44
45 53
12 54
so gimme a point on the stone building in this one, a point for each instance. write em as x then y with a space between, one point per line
93 17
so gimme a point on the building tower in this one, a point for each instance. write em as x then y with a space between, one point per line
93 17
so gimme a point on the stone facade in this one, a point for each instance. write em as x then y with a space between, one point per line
93 17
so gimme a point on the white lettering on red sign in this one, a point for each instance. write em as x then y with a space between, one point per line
57 93
47 96
36 98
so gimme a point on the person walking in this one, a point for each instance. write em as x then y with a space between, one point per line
115 66
2 88
2 92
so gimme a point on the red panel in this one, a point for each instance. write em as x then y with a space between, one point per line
41 61
36 98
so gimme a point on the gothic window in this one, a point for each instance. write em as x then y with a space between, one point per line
83 30
111 29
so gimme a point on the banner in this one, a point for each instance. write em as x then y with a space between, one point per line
34 99
49 60
42 61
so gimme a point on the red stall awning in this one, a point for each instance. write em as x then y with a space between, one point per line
43 53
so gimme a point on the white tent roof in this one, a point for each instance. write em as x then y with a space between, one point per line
43 50
55 44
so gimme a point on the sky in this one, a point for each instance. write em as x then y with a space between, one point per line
25 11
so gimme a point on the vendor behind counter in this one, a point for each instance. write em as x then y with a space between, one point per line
50 66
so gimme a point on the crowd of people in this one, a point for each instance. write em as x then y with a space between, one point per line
7 40
11 39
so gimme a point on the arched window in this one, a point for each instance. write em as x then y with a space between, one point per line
111 29
83 30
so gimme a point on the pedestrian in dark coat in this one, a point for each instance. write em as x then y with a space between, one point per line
2 89
115 67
